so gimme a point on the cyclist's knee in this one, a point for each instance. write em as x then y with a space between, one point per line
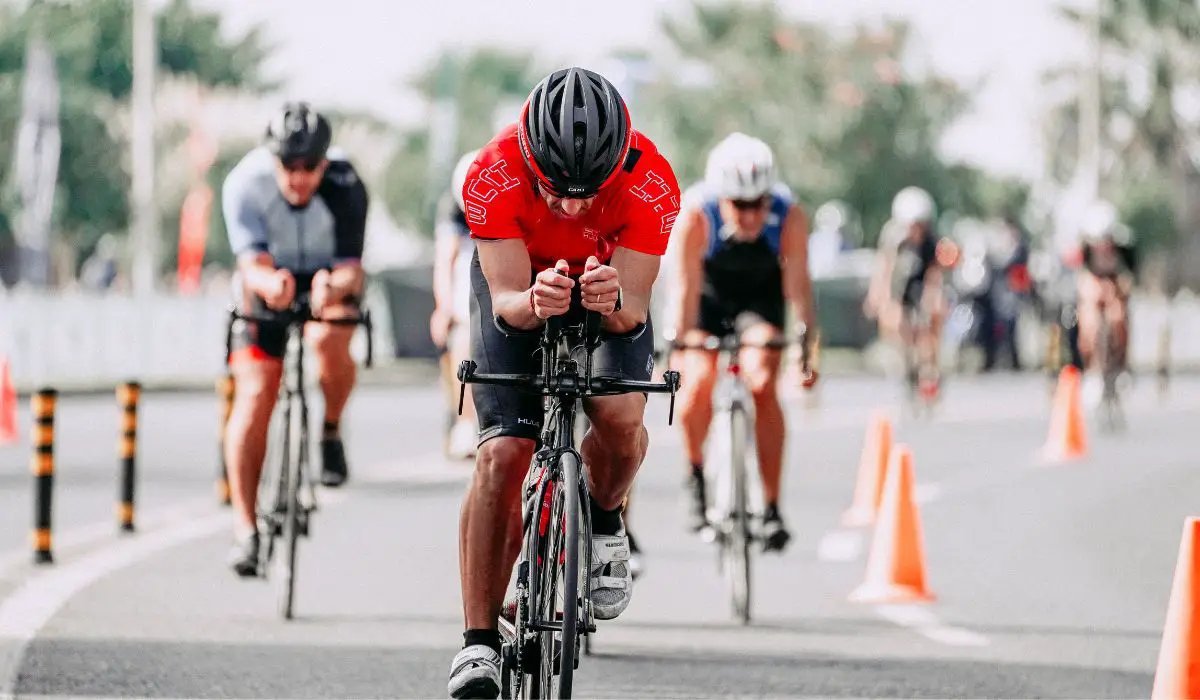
256 387
329 341
501 463
760 334
700 368
762 383
617 416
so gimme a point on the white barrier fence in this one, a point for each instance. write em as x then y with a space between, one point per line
88 342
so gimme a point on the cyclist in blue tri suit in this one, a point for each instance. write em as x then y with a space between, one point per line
742 247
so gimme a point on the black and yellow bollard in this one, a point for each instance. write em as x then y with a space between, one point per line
43 472
225 389
127 397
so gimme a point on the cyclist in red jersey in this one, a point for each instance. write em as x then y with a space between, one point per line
571 209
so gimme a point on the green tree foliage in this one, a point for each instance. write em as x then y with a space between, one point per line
843 116
1151 49
92 42
480 81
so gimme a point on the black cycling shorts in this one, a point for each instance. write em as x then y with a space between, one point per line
504 411
722 317
258 341
914 290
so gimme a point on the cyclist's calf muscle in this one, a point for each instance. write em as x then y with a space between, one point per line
615 446
257 385
489 532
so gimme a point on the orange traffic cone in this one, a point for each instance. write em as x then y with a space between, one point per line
1178 672
8 406
896 565
1068 434
872 469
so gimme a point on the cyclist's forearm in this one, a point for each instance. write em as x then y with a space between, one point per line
443 272
688 311
635 310
799 293
515 308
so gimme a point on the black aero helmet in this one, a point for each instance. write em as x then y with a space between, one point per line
574 132
298 132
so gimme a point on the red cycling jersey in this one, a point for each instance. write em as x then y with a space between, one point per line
636 210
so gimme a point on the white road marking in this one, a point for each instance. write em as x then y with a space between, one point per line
920 620
30 607
41 596
97 532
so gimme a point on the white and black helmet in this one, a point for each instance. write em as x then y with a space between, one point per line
297 131
740 167
459 177
913 205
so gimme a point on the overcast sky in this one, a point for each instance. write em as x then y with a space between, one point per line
352 53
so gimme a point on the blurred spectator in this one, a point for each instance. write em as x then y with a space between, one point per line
100 270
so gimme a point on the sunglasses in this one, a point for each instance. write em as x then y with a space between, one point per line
748 204
297 164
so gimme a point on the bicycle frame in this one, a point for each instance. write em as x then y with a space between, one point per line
731 518
289 513
556 501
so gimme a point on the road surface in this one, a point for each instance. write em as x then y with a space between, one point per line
1051 581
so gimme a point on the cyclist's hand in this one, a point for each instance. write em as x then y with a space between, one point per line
322 291
280 291
552 291
599 287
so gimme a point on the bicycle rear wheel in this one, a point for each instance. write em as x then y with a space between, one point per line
738 538
293 475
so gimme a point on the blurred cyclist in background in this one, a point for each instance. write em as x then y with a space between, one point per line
908 277
452 307
1107 276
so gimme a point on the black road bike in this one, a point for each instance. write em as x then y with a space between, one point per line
287 496
541 638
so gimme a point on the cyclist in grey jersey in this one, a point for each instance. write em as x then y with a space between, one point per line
295 212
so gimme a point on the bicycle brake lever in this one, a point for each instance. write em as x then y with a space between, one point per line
671 377
465 372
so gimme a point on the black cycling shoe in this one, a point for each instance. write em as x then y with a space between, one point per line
333 463
698 506
774 534
243 558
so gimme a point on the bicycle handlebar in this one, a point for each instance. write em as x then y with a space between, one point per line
298 315
551 382
732 343
573 384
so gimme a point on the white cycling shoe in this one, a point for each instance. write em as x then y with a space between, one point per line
612 579
475 673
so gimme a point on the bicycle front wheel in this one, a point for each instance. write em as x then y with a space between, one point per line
738 539
570 568
293 469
